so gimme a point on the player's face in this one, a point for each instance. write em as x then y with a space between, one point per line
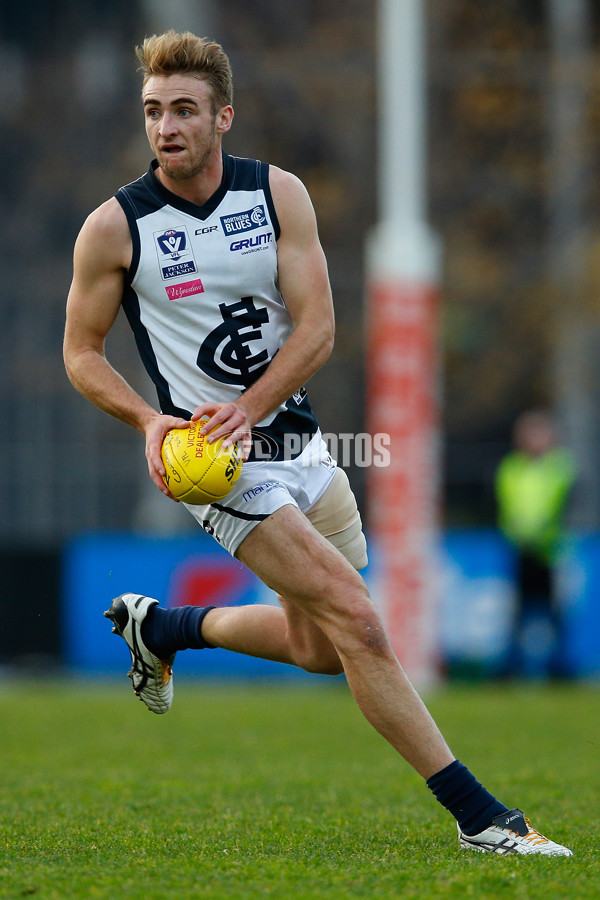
182 129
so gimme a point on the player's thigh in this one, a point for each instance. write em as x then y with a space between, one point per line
293 559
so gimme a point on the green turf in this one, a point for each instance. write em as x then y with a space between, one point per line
283 792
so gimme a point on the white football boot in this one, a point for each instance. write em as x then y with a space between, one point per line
510 832
152 678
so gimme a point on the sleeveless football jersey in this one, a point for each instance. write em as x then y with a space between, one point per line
202 297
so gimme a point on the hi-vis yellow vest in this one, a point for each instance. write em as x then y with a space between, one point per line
532 494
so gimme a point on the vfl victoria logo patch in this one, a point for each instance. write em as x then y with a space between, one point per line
175 255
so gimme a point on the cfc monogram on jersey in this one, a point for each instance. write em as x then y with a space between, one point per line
202 297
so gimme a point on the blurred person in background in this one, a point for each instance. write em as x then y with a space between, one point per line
178 248
534 483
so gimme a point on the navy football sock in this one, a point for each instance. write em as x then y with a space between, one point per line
164 631
459 791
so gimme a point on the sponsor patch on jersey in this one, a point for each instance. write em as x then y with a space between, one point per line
264 488
251 245
175 254
246 220
177 291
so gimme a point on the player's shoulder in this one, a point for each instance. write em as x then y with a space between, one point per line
290 198
107 220
285 184
106 231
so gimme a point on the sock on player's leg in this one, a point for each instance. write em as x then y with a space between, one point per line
470 803
165 631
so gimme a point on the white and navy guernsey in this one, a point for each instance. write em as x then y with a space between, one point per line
202 297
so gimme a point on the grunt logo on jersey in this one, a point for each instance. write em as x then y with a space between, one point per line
226 354
251 245
175 256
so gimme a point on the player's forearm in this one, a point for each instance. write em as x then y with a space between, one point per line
93 376
303 354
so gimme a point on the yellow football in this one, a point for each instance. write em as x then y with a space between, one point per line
198 472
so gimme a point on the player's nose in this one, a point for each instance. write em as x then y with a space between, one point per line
168 125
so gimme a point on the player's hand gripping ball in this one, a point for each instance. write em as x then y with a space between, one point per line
198 472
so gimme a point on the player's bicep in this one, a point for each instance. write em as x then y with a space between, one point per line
302 268
92 307
96 290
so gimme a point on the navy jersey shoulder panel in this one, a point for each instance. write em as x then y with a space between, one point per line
141 195
242 174
248 175
136 247
266 186
138 199
131 306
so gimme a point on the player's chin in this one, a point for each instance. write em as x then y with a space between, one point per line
178 167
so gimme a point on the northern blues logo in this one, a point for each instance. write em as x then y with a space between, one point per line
227 354
244 221
175 256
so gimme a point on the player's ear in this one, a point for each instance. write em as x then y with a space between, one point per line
224 119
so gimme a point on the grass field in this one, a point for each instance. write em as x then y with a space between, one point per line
277 791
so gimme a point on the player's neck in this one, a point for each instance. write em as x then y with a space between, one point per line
197 188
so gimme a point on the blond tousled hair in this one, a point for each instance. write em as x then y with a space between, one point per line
175 53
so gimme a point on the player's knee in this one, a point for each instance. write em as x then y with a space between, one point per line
344 611
361 630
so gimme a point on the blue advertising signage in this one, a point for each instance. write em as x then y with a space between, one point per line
176 571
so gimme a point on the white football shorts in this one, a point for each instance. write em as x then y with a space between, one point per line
312 482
